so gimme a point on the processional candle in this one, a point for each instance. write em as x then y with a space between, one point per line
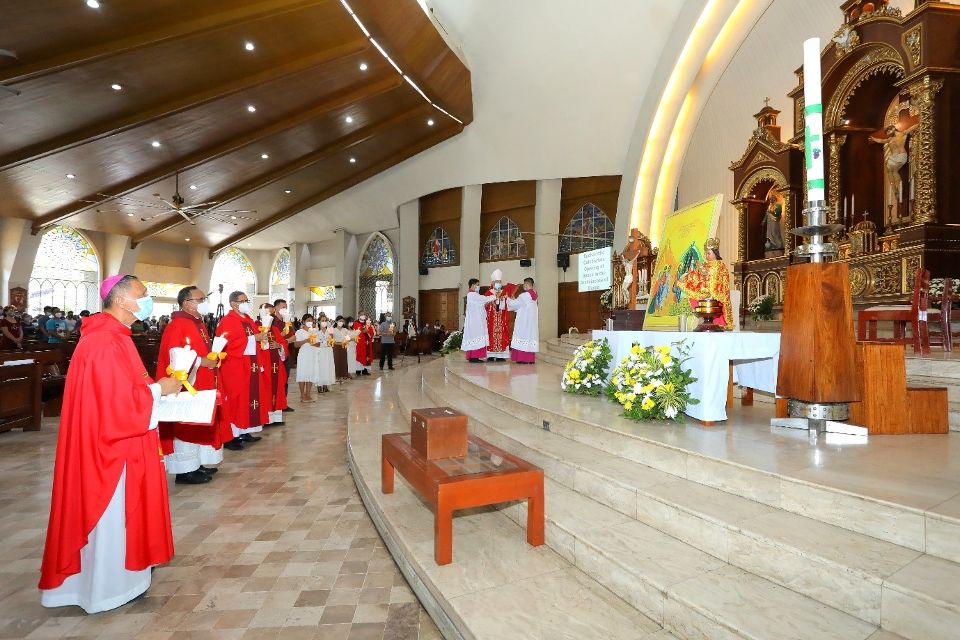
813 113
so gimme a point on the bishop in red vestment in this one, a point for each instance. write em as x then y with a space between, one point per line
498 320
364 342
240 370
109 514
187 447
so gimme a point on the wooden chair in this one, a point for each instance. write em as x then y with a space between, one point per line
915 315
943 337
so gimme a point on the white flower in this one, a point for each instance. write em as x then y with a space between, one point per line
670 412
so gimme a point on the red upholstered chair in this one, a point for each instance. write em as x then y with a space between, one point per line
915 315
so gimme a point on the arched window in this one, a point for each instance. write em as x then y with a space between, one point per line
233 270
280 278
66 273
439 250
504 242
589 229
375 291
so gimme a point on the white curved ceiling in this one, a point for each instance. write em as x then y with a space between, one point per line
557 85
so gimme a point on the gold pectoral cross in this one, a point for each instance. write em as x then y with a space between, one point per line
253 367
275 369
254 404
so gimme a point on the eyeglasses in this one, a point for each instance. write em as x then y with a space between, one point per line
197 300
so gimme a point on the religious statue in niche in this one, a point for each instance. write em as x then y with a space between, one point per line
409 307
18 298
895 158
772 226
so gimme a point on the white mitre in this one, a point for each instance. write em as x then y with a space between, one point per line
496 275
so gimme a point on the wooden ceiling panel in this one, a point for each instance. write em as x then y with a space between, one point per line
187 82
162 74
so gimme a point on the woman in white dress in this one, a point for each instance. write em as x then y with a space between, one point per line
352 365
326 371
307 358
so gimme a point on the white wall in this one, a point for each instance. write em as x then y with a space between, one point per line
441 278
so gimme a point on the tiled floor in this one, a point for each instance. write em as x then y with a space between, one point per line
278 545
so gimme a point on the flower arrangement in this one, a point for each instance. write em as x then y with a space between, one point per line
652 384
606 300
761 308
586 374
452 343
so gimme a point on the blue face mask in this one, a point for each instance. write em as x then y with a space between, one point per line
144 308
497 286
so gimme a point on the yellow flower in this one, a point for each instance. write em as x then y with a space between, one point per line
646 388
663 349
631 397
647 404
635 350
668 387
628 406
665 361
574 374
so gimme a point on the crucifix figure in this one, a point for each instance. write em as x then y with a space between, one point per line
895 157
766 102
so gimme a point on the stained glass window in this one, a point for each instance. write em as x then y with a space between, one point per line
163 289
375 293
589 229
280 277
504 242
233 270
66 273
439 250
322 294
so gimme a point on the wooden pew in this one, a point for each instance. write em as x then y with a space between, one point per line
51 362
20 397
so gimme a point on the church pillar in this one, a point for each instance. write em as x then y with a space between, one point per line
201 270
18 250
118 257
299 263
346 273
547 226
408 259
837 140
469 239
741 230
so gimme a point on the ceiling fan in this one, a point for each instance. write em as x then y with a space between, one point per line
177 204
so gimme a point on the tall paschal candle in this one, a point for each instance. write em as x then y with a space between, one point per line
813 118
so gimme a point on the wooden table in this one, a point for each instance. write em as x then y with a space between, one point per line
487 475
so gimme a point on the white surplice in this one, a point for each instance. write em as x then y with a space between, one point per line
475 334
104 582
526 326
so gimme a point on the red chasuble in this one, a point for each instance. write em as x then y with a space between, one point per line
278 369
239 374
184 327
264 377
498 323
364 344
107 406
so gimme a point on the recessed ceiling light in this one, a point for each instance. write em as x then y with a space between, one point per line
363 66
348 119
251 108
193 187
430 122
249 46
264 156
71 176
287 191
187 239
353 160
116 87
93 4
233 217
155 144
129 215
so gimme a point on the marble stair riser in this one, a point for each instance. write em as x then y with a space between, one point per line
892 523
837 585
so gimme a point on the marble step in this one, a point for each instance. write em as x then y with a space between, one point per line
914 522
688 592
536 592
935 366
785 548
552 358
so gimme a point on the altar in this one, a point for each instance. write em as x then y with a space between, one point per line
753 356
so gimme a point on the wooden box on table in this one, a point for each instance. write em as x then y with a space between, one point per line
438 432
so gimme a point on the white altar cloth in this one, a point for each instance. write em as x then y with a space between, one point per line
755 357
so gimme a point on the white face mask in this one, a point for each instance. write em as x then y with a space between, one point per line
340 324
244 308
203 308
323 325
308 324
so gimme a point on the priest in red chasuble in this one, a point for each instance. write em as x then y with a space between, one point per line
240 371
710 280
274 366
498 320
188 447
109 515
364 326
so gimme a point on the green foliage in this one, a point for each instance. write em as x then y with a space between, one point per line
652 384
587 372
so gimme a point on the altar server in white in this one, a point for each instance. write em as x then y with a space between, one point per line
475 334
526 327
